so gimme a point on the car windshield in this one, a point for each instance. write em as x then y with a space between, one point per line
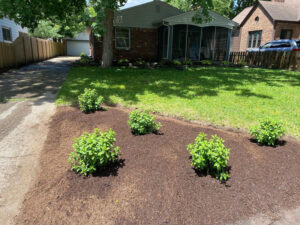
298 44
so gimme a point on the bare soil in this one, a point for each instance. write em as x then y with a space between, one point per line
154 182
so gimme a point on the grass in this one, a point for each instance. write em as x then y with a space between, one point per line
234 97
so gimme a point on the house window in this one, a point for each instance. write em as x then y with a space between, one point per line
254 39
286 34
6 32
122 38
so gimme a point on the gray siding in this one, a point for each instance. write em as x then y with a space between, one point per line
148 15
15 28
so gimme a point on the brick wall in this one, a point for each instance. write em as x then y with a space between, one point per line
143 45
263 23
290 26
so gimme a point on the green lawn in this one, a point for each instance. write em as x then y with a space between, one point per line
235 97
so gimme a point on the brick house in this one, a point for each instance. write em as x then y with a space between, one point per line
266 21
157 30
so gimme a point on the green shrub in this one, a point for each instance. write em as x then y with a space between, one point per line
93 150
188 63
89 101
210 156
267 132
176 62
242 63
140 62
142 123
205 62
225 63
84 59
123 62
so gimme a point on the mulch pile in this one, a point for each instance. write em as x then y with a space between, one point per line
154 183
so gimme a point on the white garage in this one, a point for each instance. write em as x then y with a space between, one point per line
80 43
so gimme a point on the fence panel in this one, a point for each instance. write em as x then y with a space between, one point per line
25 50
274 60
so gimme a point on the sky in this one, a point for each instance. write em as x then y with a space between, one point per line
131 3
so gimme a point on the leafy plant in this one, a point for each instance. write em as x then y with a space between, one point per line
210 155
205 62
140 62
267 132
225 63
188 63
242 63
123 62
93 150
89 101
142 123
176 62
84 59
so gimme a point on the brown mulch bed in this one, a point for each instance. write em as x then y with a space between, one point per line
154 183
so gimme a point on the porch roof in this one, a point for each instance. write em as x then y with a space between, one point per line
187 18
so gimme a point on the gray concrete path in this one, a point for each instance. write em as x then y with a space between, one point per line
27 98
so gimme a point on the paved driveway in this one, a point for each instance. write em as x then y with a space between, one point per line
27 102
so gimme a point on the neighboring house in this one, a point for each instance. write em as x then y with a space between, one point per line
80 43
266 21
157 30
9 30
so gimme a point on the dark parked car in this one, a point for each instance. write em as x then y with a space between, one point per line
278 45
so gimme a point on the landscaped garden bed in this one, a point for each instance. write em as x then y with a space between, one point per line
153 182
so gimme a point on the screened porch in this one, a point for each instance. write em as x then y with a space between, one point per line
180 38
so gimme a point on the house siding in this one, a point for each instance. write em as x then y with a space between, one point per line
265 24
286 25
143 45
15 28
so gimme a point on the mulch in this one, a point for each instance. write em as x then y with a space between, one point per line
154 183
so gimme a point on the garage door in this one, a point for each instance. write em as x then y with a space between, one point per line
75 48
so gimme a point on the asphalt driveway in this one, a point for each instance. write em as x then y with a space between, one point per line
27 102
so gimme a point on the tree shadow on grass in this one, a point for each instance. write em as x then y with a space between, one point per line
110 170
128 84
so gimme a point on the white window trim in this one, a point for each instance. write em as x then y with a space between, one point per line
8 28
129 36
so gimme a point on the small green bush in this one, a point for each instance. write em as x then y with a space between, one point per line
84 59
142 123
210 156
205 62
188 63
267 132
225 63
242 63
89 101
93 150
123 62
140 62
176 62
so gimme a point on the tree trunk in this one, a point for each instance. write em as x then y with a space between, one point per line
107 53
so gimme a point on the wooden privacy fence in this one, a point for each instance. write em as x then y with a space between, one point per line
25 50
274 60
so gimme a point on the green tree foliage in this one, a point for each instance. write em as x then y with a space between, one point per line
221 7
46 29
30 13
240 5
